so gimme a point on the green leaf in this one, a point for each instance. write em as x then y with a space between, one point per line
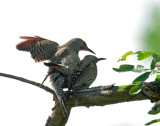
123 58
153 112
135 89
139 68
157 78
153 121
128 67
143 55
124 68
138 52
121 88
153 64
142 77
156 56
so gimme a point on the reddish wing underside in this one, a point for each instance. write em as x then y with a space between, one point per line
30 41
41 49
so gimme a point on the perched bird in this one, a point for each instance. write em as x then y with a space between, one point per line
86 76
65 55
83 77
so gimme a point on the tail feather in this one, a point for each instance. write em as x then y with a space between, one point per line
58 81
52 65
63 107
44 79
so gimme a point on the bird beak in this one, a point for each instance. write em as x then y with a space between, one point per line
101 59
87 49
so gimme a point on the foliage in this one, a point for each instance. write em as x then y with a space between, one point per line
153 121
146 72
151 36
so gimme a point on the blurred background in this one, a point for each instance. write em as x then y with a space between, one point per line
109 27
151 33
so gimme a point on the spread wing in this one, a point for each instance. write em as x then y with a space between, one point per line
41 49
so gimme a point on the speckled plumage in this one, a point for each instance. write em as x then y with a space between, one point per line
69 60
66 55
41 49
87 75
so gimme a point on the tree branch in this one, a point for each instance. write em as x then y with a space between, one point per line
57 118
29 82
96 96
103 95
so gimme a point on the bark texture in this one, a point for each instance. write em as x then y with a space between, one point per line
96 96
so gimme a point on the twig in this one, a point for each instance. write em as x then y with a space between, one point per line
29 82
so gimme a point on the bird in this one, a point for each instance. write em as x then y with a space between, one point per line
83 77
86 76
66 55
44 49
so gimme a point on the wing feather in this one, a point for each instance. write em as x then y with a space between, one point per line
41 49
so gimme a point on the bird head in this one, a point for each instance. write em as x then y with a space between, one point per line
92 59
78 44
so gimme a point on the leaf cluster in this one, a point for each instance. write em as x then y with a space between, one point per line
146 72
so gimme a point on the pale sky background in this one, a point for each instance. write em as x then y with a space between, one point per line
109 27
